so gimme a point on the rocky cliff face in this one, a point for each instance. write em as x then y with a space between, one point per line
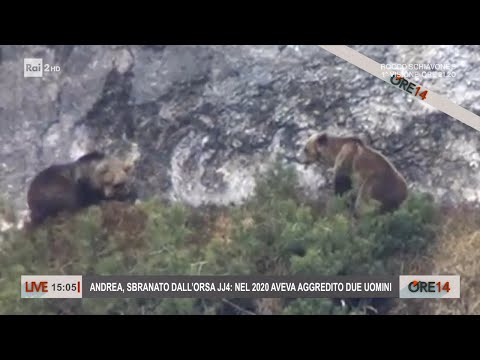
201 120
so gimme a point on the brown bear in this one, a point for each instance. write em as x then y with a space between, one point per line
357 165
90 179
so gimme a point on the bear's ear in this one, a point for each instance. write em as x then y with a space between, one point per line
322 139
128 167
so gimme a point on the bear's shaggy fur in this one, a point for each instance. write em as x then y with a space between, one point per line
87 181
373 177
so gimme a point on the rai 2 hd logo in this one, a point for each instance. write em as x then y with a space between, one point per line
37 68
430 287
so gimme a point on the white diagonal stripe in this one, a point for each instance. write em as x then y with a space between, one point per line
439 102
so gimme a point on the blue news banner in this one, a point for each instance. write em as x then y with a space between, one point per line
78 286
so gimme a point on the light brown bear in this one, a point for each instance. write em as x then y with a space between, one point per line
87 181
375 180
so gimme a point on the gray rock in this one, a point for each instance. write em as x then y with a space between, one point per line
203 119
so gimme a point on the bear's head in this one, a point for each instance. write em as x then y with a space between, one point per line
316 149
112 175
324 148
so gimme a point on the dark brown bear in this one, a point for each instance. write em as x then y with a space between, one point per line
87 181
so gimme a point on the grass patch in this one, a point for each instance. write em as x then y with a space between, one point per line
276 232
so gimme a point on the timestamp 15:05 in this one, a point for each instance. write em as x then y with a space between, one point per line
66 286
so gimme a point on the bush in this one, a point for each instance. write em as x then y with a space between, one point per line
455 252
276 232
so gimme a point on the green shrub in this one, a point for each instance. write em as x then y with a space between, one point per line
276 232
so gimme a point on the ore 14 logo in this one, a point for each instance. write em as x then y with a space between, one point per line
408 86
431 286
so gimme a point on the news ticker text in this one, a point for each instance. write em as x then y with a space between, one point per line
78 286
